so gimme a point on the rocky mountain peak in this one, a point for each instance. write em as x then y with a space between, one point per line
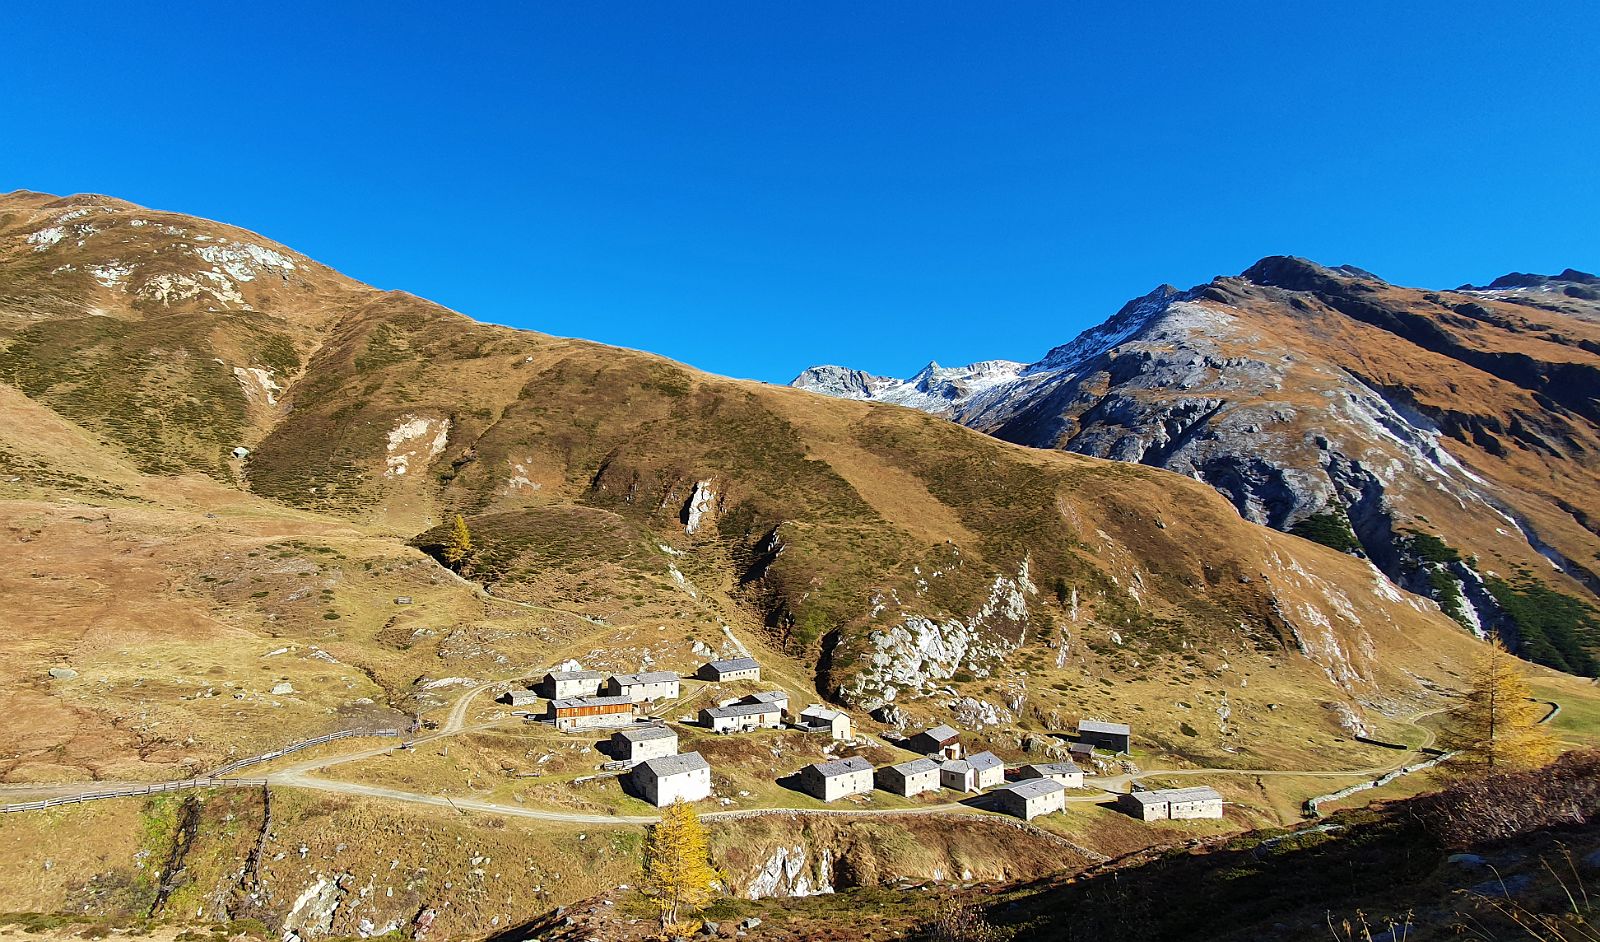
1518 279
1293 273
842 382
1570 282
1325 400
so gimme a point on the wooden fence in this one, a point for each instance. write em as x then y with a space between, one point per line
217 778
134 791
237 764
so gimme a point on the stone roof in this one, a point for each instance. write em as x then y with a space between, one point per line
1097 726
646 733
574 675
741 709
665 766
842 766
1192 793
1149 798
767 696
734 664
940 734
915 766
984 761
820 712
1053 768
1034 787
650 677
957 766
569 703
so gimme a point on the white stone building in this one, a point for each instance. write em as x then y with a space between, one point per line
1178 804
910 778
818 717
972 774
1030 798
564 685
988 769
957 775
663 780
590 712
833 780
741 717
777 698
1067 773
639 743
651 685
738 668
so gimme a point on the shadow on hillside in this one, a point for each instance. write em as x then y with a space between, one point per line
792 783
1287 885
984 801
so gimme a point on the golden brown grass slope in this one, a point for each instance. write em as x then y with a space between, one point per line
638 510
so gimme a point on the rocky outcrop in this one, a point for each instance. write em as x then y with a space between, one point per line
700 506
788 872
917 652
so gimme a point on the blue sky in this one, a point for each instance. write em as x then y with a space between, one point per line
755 187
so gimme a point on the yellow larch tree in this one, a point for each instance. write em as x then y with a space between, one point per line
677 863
1496 726
458 548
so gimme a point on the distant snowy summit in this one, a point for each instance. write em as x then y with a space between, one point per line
935 388
960 391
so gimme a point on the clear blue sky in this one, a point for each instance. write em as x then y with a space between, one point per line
755 187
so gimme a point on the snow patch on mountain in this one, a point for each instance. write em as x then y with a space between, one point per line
418 439
171 288
961 391
110 275
244 260
519 479
1126 324
258 383
46 237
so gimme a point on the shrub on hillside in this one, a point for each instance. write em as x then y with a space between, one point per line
1495 807
1331 528
1556 629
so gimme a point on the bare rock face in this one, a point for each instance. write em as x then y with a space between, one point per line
1325 401
918 652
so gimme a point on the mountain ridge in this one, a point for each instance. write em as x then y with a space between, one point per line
1213 382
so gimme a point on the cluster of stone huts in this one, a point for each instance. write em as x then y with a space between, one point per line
656 770
1040 789
1036 789
658 773
586 699
583 699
